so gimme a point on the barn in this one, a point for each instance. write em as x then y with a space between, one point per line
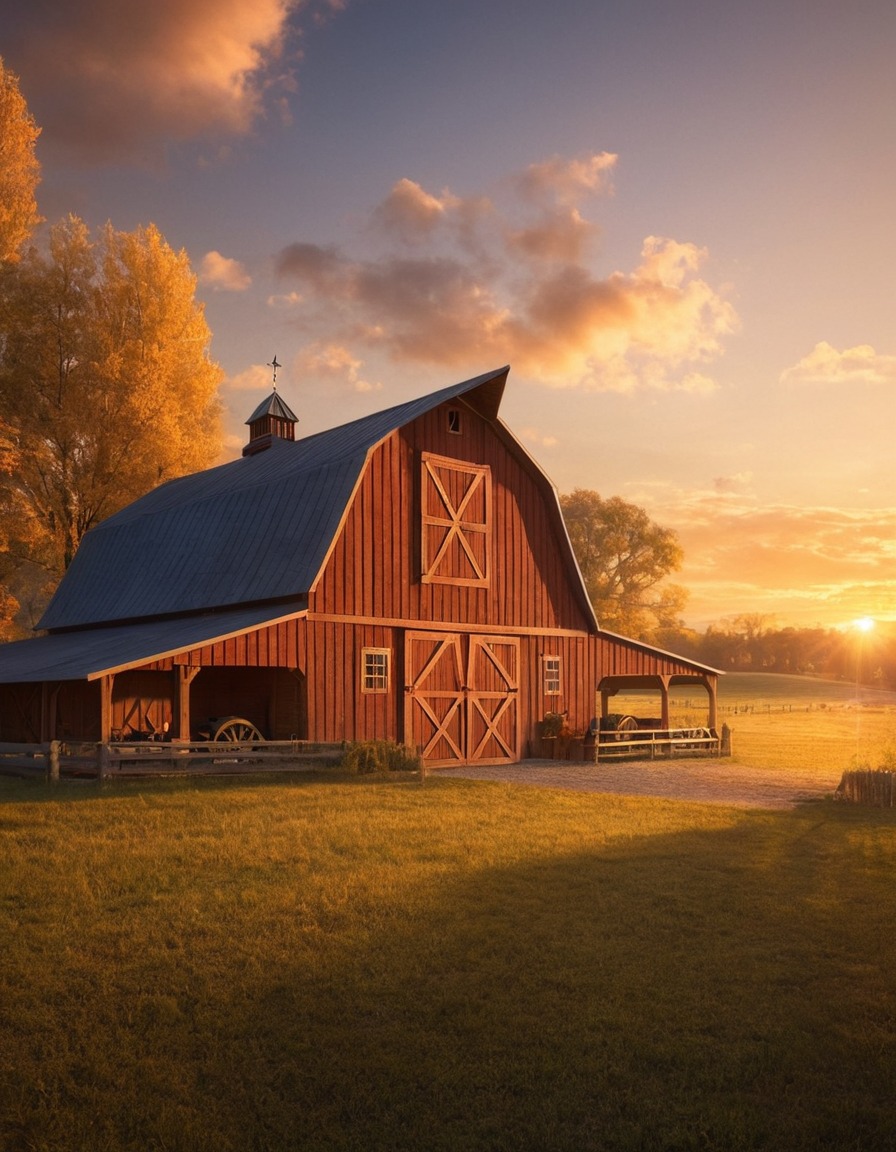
406 576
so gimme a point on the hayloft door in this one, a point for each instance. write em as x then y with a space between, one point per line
461 698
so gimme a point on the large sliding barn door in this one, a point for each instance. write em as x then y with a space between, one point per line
461 697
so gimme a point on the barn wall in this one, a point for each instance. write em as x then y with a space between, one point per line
375 566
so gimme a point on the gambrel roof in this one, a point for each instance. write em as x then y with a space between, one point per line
228 550
255 530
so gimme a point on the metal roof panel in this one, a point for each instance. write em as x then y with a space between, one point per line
93 652
258 528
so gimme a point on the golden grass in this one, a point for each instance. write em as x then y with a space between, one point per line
383 964
791 725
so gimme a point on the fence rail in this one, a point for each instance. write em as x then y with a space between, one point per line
148 758
655 743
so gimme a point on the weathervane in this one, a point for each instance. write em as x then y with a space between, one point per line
273 364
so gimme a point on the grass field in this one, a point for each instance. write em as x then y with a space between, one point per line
791 723
330 963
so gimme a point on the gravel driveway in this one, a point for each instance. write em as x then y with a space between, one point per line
707 781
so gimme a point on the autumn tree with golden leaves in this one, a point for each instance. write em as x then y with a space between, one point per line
19 169
625 560
107 386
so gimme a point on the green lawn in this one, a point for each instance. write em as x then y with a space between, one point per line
314 963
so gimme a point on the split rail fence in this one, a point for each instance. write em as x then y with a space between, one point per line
147 758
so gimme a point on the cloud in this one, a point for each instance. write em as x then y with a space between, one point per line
738 483
562 237
411 213
567 181
487 283
809 564
115 81
824 365
537 437
255 378
223 274
335 364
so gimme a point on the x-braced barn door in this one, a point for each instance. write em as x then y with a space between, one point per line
461 697
493 699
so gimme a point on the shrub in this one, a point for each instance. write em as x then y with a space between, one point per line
367 756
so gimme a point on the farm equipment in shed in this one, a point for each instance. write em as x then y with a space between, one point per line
230 729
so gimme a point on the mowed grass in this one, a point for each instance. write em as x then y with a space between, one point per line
324 963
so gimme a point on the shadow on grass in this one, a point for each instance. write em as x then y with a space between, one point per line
35 788
684 992
729 988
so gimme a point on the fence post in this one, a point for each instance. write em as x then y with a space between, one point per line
53 762
102 761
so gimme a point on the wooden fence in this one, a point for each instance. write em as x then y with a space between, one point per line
147 758
875 787
656 743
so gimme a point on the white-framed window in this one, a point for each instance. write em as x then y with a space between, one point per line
375 669
552 680
454 424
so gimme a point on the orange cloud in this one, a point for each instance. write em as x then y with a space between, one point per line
119 80
810 565
223 274
480 286
336 364
858 365
567 182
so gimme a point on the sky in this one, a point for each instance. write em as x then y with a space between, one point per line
673 219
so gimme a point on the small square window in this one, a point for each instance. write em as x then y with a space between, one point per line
552 675
454 421
375 669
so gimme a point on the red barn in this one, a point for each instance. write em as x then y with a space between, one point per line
406 576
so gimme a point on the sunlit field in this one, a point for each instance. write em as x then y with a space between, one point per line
789 723
329 963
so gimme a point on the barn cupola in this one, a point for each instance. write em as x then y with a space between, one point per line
273 418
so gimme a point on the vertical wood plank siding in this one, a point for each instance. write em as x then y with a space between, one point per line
529 583
303 677
374 572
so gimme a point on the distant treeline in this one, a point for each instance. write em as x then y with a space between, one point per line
754 644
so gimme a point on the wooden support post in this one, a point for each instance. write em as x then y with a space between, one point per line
712 689
102 760
106 683
53 762
664 702
186 674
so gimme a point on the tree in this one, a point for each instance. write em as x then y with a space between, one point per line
625 558
19 169
106 384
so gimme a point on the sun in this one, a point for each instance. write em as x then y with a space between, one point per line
863 624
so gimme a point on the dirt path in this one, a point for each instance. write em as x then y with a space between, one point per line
707 781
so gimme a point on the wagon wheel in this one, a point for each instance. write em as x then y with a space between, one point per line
237 731
626 724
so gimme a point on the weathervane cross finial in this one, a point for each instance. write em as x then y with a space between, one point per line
273 364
